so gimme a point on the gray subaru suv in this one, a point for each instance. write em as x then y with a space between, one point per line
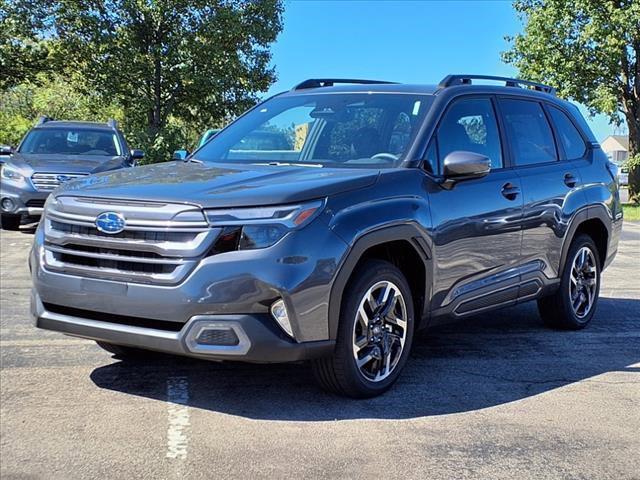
52 153
386 208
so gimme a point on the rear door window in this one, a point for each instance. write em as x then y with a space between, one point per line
570 138
529 132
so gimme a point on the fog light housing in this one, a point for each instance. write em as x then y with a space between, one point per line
280 315
8 205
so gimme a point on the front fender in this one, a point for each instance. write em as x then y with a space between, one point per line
363 219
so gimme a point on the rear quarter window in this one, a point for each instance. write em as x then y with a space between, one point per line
568 135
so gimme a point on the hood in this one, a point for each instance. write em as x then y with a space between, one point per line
31 163
222 185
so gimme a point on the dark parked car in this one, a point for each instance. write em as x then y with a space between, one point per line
382 209
52 153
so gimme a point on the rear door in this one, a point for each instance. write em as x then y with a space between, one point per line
547 164
476 224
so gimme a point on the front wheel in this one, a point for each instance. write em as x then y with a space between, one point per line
573 305
374 334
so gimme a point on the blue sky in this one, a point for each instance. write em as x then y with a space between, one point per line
405 41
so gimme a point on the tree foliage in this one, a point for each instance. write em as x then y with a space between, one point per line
174 67
50 95
23 54
590 51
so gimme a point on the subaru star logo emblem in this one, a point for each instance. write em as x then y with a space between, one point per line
110 222
63 178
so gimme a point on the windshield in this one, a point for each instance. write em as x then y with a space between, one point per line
71 141
367 130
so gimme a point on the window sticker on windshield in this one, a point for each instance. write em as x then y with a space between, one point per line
416 108
72 137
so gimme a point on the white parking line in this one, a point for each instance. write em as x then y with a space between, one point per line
178 417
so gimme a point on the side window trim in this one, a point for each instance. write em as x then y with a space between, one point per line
512 160
507 157
561 155
433 143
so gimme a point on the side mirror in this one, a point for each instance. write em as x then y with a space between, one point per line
6 150
180 155
463 165
137 154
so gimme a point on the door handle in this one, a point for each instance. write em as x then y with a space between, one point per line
570 180
510 191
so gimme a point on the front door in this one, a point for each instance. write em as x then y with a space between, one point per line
476 224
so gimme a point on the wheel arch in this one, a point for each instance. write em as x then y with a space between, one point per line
593 221
383 244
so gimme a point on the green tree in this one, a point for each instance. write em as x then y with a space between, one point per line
50 95
23 54
169 62
173 67
590 51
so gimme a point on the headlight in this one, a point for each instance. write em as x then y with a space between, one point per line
259 227
13 175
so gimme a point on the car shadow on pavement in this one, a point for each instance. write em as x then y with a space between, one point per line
485 361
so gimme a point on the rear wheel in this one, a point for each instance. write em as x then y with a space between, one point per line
121 351
374 333
10 222
573 305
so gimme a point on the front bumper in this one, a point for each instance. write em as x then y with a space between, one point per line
235 289
26 200
258 342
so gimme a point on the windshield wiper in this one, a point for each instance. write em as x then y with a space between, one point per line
289 164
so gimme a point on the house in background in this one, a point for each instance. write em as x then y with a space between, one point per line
617 148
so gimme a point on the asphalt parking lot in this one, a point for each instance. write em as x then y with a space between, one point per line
498 396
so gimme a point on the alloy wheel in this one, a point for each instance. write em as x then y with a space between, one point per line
584 282
380 331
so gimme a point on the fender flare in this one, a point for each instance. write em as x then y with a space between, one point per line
408 232
590 212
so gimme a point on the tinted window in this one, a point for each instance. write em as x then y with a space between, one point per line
365 130
400 133
529 132
71 142
570 138
359 137
470 125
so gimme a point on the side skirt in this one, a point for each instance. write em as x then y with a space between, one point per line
526 286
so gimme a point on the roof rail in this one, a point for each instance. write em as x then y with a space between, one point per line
43 119
451 80
329 82
112 123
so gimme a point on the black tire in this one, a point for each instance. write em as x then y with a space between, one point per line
121 351
10 222
556 310
340 373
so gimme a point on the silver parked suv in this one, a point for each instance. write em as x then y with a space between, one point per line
382 208
54 152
